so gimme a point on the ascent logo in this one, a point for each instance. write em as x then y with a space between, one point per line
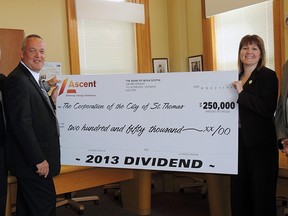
73 85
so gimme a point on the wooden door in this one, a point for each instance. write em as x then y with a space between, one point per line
10 46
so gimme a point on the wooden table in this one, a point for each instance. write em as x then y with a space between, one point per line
135 185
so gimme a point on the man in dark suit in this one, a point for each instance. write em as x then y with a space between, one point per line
3 168
281 116
32 133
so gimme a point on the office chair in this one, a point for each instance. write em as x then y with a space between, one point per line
282 190
114 186
195 181
69 198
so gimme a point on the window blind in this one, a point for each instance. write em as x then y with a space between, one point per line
106 46
213 7
231 26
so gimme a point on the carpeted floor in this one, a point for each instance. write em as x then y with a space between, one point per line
188 203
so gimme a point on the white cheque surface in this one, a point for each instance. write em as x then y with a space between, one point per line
171 121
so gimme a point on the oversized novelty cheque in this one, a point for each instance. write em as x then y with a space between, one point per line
171 121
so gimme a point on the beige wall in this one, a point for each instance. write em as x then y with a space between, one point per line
177 32
194 20
46 18
178 26
159 28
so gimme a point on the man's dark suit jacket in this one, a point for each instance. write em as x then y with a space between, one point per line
2 126
32 135
257 105
281 118
3 168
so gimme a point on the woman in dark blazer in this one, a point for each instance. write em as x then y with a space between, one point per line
253 190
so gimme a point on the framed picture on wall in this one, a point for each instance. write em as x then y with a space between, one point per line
195 63
160 65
